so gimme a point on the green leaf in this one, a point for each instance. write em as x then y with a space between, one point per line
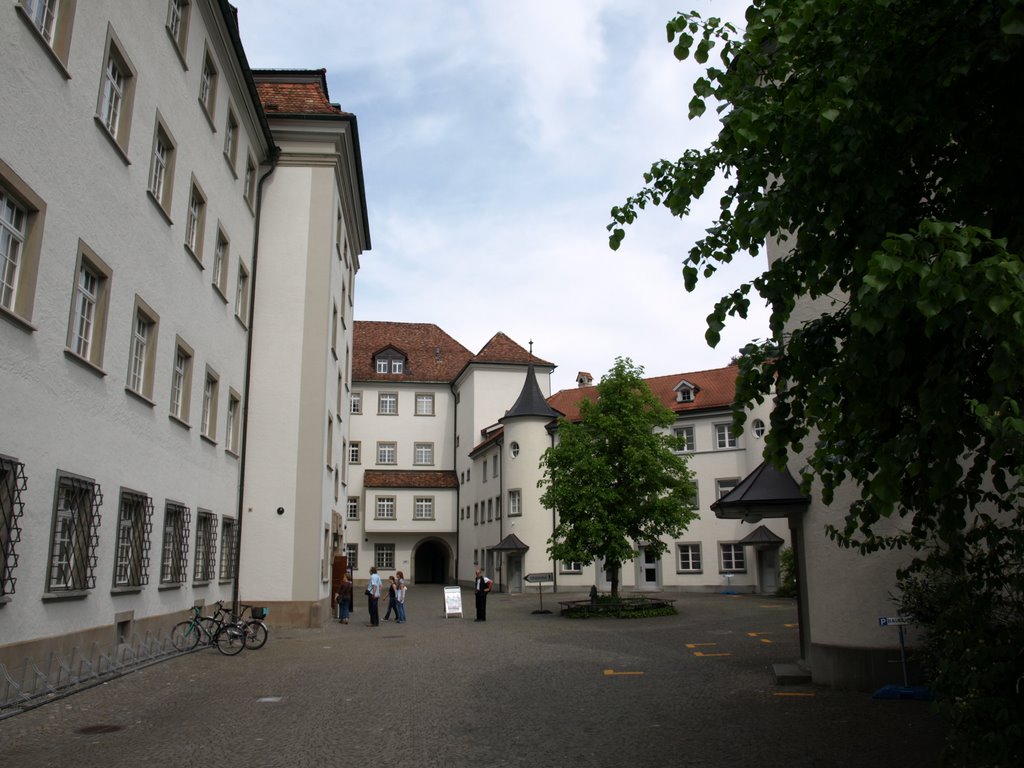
1012 22
830 114
697 107
999 303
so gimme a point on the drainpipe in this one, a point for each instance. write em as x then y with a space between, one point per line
275 153
458 483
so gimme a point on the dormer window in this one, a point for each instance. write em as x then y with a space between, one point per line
390 361
685 392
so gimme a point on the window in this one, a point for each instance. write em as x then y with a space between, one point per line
249 185
89 304
177 24
355 402
476 513
228 549
494 468
242 294
76 521
490 510
142 354
688 558
330 440
52 19
208 86
231 140
352 556
758 428
684 395
724 437
385 508
353 452
390 362
572 566
117 93
195 221
397 366
211 390
352 508
334 330
423 454
221 254
485 471
21 234
161 168
732 559
131 566
497 507
233 427
181 381
387 403
12 483
424 404
423 508
174 558
513 449
384 555
206 546
724 485
387 453
515 503
687 434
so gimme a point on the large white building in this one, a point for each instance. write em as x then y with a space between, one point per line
444 463
163 211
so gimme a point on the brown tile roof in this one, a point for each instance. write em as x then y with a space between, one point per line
501 349
410 478
431 354
715 389
294 92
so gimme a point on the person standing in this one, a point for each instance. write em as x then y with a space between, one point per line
400 597
481 586
344 598
373 597
392 604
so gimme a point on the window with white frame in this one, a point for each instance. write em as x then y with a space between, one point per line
195 221
354 449
387 453
423 454
142 354
423 508
724 437
228 548
352 556
208 85
242 294
232 431
387 403
53 20
334 330
206 546
177 24
688 558
221 255
249 184
89 306
181 381
174 557
424 403
330 440
758 428
494 468
355 402
382 365
384 508
571 566
22 213
352 508
733 560
384 556
134 523
211 391
725 484
12 483
161 167
515 503
231 140
117 93
13 231
688 437
497 507
74 535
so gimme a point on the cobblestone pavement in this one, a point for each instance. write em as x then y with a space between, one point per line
521 689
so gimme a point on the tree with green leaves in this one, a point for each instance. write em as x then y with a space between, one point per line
614 480
880 144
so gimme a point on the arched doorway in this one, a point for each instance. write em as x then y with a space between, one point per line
432 562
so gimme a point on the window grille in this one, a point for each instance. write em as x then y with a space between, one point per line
206 547
75 526
177 529
12 483
134 525
228 549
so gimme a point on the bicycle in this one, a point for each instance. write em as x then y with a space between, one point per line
229 637
256 631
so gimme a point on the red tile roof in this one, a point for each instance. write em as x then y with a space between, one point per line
431 354
294 92
501 349
715 389
408 478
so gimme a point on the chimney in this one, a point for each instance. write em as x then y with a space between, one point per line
584 379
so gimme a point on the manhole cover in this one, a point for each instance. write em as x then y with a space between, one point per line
105 728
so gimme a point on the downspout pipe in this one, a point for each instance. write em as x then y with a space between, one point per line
275 154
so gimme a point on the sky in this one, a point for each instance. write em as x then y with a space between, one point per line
495 139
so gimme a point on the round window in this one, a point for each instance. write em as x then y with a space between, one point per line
758 427
514 449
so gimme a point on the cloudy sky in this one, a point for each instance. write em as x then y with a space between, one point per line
496 137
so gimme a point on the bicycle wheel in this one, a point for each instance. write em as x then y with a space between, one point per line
230 639
185 635
255 634
208 630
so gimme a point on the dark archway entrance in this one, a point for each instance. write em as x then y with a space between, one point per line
432 563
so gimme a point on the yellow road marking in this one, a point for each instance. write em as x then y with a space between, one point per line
698 645
613 673
791 626
709 655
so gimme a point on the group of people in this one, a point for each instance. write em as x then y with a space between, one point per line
396 597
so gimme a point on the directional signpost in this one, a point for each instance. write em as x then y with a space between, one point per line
538 579
892 691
